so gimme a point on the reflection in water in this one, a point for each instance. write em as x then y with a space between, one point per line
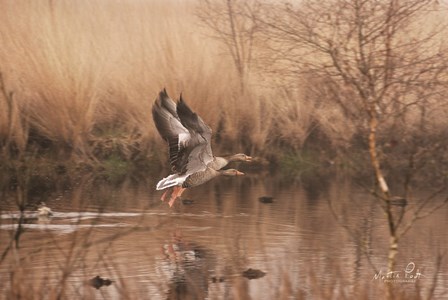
190 266
314 186
311 240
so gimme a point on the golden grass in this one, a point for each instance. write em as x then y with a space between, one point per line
79 70
82 75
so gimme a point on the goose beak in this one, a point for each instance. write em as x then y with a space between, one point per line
238 173
248 158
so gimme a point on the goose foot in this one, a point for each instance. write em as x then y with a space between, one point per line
177 192
164 195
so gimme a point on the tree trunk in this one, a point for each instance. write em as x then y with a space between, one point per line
385 196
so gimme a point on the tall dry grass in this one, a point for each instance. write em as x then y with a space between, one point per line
84 72
79 79
75 66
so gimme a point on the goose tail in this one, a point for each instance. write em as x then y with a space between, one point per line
171 180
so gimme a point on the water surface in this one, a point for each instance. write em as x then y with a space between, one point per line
310 242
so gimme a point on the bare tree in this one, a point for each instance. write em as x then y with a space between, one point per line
233 22
388 66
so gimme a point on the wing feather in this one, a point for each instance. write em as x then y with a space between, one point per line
200 132
187 135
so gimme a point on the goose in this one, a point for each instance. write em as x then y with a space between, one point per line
171 129
190 153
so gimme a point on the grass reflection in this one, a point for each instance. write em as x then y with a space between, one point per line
311 245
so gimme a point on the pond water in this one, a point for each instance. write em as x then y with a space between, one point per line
321 238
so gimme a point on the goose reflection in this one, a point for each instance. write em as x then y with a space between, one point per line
189 264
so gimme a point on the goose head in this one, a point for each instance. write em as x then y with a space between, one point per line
240 157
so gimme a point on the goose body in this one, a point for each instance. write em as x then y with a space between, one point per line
189 140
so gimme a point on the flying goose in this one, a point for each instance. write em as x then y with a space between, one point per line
189 140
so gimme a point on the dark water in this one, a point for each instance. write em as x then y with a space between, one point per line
310 242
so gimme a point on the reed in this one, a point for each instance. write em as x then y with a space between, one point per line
79 79
83 73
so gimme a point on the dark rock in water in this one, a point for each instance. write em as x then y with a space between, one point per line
187 201
398 201
253 273
217 279
266 199
98 282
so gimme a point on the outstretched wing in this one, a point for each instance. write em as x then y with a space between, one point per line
170 128
201 155
189 143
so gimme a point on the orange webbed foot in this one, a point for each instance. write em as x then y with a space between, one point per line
164 195
176 194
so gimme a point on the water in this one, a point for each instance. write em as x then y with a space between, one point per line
310 241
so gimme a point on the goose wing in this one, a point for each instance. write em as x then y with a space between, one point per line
189 149
170 128
201 155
